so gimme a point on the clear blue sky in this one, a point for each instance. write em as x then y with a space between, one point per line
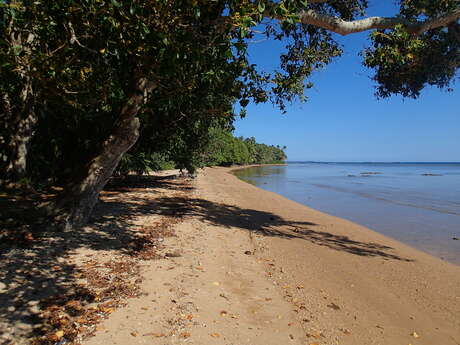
343 120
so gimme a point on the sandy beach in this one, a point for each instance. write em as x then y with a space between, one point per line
214 260
256 268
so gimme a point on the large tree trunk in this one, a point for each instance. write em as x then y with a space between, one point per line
19 119
75 205
20 128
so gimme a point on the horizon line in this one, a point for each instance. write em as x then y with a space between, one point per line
375 162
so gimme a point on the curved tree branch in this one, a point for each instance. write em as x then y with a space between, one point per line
344 28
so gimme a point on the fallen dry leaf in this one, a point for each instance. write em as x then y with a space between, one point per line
333 306
314 335
215 335
107 310
415 335
134 334
158 335
185 335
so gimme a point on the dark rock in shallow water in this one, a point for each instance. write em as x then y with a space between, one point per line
431 175
371 173
455 238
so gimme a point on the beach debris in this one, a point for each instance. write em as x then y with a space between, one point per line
248 252
333 306
415 335
291 336
215 335
153 334
134 334
185 335
223 296
216 283
223 313
59 334
174 254
314 334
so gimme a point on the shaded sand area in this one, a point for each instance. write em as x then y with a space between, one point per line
215 260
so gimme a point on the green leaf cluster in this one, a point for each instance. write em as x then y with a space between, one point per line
404 64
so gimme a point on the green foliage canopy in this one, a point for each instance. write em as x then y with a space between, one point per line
70 68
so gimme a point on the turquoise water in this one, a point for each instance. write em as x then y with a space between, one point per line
415 203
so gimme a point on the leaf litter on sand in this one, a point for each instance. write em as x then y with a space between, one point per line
75 316
101 287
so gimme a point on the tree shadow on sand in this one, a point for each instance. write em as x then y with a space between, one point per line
35 264
269 224
37 269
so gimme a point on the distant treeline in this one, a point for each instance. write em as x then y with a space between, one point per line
217 147
224 149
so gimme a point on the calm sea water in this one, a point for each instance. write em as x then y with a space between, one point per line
415 203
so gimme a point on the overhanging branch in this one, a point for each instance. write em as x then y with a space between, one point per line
344 28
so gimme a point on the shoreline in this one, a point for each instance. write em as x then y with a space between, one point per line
234 264
389 282
409 219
